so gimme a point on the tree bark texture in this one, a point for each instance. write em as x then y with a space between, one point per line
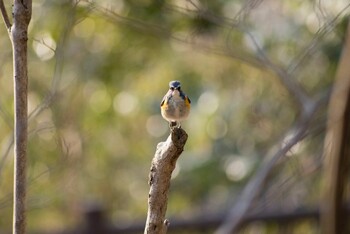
22 10
163 164
337 149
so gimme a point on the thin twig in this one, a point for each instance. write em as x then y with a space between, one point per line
5 16
50 97
59 56
260 60
313 45
238 212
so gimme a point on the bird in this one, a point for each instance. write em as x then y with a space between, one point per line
175 106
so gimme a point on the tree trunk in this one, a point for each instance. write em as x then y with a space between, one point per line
337 149
19 37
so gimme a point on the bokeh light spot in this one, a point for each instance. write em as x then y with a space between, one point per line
44 46
296 148
208 103
71 142
33 101
85 28
217 128
125 103
236 169
155 126
100 101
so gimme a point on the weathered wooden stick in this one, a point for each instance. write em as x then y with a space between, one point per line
163 164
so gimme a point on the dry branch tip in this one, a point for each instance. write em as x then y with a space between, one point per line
163 164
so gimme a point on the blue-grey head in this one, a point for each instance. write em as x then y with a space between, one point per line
175 85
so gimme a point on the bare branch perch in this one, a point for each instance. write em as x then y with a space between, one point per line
163 164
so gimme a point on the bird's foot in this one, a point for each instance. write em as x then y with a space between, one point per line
174 124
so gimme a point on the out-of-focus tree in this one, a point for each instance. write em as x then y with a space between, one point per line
258 74
337 148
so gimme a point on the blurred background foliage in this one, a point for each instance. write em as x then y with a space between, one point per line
99 69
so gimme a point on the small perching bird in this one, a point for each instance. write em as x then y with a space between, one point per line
175 106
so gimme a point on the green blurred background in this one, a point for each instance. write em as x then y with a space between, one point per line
98 71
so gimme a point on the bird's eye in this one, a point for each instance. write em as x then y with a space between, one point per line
172 88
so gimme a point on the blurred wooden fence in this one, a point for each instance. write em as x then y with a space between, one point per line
95 222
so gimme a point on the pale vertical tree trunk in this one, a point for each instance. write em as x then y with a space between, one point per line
19 33
22 10
337 149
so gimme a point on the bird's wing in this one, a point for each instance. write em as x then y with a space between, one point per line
166 98
163 101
